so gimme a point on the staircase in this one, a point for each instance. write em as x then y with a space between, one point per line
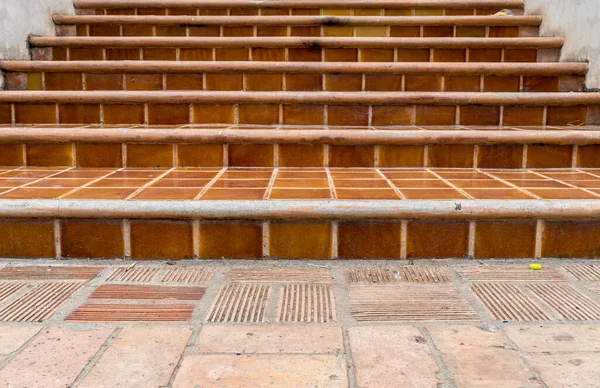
319 129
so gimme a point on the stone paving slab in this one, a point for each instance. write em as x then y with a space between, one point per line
567 370
555 338
13 337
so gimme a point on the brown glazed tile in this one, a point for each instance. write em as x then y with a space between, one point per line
149 155
181 183
522 115
297 182
55 54
36 193
504 32
213 114
566 115
304 82
250 155
123 114
500 83
401 156
540 84
337 31
35 113
343 82
300 240
101 193
238 183
500 156
437 239
232 54
303 114
435 115
184 82
438 31
168 193
161 240
351 156
376 55
505 240
224 81
420 184
423 83
299 193
120 182
348 115
25 238
301 155
49 155
392 115
577 239
562 194
449 55
405 31
212 31
398 12
5 114
336 12
98 155
497 194
156 54
63 81
234 194
549 156
479 115
587 156
198 54
268 54
305 31
122 55
438 194
485 55
275 12
470 32
413 55
200 155
231 240
264 82
429 12
168 114
383 82
306 55
520 55
368 240
100 81
170 31
137 30
91 239
340 55
366 194
372 31
79 113
259 114
11 155
462 83
271 31
85 54
243 12
450 155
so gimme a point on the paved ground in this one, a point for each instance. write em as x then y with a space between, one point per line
299 324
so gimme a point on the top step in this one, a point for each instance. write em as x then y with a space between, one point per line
299 7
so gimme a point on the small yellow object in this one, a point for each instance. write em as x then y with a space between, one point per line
535 267
500 14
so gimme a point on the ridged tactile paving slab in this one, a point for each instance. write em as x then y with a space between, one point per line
408 274
132 313
595 288
394 303
304 275
508 302
146 292
584 272
568 302
40 303
187 275
49 273
308 303
133 275
509 274
240 303
7 289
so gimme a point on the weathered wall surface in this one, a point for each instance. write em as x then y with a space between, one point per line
578 22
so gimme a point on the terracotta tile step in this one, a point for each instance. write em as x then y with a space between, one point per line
305 49
247 146
315 229
359 26
294 76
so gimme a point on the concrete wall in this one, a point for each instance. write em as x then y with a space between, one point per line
578 22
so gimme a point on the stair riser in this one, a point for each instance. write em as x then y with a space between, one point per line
277 81
294 239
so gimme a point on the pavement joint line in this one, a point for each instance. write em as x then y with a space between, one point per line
443 371
92 363
523 359
14 354
191 344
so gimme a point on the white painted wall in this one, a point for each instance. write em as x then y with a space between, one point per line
578 22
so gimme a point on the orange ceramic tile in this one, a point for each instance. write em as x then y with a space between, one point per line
198 54
79 113
420 184
383 82
537 183
360 183
435 115
247 173
35 193
250 155
264 82
150 155
11 155
31 173
540 84
181 182
500 156
100 81
570 239
460 174
155 239
449 55
49 155
305 31
60 182
301 155
300 183
429 12
91 239
259 114
423 83
232 54
505 240
184 82
401 156
470 32
6 183
437 239
119 55
426 194
212 31
303 114
337 31
234 194
98 155
479 115
351 156
371 31
304 82
413 55
231 240
137 30
438 31
199 155
213 114
35 113
366 194
563 194
343 82
522 115
340 55
27 238
5 114
504 32
587 156
168 113
368 240
85 54
392 115
405 31
224 81
167 193
398 12
120 183
462 83
549 156
56 54
306 55
450 155
354 173
123 114
348 115
238 30
299 193
485 55
237 183
275 12
271 31
376 55
302 174
477 183
520 55
300 240
101 193
268 54
498 194
63 81
566 115
500 83
156 54
192 173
